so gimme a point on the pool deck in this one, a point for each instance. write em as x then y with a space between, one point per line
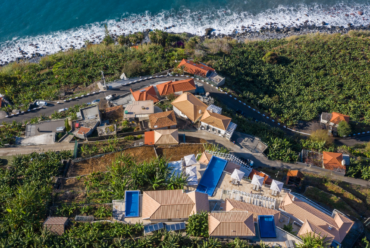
225 189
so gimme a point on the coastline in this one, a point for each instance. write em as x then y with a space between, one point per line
265 33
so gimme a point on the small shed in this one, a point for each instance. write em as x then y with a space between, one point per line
56 225
294 177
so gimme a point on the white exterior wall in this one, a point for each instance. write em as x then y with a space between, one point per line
178 112
322 121
218 130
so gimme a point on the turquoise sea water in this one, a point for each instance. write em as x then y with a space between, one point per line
53 25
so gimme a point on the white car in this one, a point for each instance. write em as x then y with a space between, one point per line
62 110
111 97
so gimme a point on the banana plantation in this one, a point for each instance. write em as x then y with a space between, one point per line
307 75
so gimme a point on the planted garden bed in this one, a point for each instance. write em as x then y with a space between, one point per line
101 163
174 153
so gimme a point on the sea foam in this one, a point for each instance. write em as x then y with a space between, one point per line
222 20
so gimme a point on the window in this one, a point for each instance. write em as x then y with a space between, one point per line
219 131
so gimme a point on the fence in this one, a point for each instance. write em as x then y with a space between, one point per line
229 157
119 135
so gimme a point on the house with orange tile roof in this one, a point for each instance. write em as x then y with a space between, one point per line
195 68
231 224
162 137
234 205
333 119
218 124
189 107
176 87
334 227
334 161
172 205
164 120
202 70
145 94
267 179
294 177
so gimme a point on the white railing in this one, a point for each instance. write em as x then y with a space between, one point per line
229 157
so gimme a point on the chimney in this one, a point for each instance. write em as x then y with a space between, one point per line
293 198
211 110
166 109
200 111
344 162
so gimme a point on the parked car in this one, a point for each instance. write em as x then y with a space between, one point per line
60 129
41 103
111 97
95 101
62 110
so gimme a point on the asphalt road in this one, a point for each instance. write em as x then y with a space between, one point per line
119 88
250 112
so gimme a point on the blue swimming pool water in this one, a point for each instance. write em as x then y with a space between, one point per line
267 226
212 175
132 203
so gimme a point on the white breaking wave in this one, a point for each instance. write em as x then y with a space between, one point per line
195 22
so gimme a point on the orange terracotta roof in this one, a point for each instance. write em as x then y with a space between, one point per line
147 93
333 160
205 158
304 211
172 204
233 205
231 224
135 47
166 136
310 228
295 173
267 179
190 106
216 120
149 138
338 117
84 130
164 119
176 86
194 68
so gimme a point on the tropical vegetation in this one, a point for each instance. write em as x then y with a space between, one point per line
198 225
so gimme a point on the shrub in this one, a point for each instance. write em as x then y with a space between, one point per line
130 137
139 136
344 129
198 225
271 58
321 135
132 68
66 123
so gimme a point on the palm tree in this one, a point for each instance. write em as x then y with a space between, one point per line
311 240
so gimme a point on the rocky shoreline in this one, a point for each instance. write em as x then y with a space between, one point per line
267 32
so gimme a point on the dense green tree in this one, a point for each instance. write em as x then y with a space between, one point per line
344 129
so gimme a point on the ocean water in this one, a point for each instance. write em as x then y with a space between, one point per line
42 26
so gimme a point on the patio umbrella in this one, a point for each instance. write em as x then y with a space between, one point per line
258 180
237 175
191 173
276 186
190 160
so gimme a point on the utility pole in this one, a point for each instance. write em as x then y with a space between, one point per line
103 78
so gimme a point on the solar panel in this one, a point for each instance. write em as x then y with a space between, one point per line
152 228
175 227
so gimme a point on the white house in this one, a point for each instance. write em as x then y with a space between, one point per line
217 124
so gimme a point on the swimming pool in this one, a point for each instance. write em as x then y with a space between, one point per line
132 203
212 175
267 226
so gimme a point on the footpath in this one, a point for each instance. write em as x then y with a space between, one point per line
11 151
261 160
